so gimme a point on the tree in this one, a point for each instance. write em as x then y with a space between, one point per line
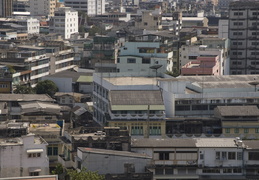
84 175
46 87
21 89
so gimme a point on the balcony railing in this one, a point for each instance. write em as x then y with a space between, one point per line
65 162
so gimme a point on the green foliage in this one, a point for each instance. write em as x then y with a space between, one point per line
84 175
11 69
46 87
58 170
174 73
21 89
96 29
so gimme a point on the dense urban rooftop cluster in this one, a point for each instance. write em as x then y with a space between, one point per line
129 90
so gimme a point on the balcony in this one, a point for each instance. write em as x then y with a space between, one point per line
137 116
64 161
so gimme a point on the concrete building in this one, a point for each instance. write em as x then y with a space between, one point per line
188 53
195 96
223 28
194 21
133 103
32 24
203 65
6 8
149 20
197 158
25 156
243 27
30 64
64 22
42 7
90 7
147 54
115 162
239 121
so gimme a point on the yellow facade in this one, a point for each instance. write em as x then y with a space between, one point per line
139 128
243 129
5 87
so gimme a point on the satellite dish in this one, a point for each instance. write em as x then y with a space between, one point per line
156 66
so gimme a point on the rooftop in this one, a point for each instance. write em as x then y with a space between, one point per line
70 74
238 110
120 81
136 98
25 97
112 152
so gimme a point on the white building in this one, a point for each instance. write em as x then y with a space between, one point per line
25 156
32 24
197 96
113 161
42 7
91 7
147 54
65 22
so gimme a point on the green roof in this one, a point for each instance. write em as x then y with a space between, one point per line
85 79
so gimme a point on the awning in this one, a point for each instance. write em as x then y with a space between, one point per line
34 169
34 150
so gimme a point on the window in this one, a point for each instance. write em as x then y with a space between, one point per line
145 23
256 130
253 156
201 156
227 130
236 130
238 13
131 60
145 61
227 170
237 33
33 155
231 155
224 155
239 156
246 130
217 155
34 173
238 23
159 171
164 156
118 60
237 170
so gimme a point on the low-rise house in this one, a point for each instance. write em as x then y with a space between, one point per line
25 156
109 138
111 162
14 108
51 133
68 98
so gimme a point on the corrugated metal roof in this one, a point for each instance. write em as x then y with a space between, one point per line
25 97
136 98
238 110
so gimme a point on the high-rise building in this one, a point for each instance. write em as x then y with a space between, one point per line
64 22
42 7
6 8
91 7
244 37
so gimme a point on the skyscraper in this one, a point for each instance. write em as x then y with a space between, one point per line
244 37
6 8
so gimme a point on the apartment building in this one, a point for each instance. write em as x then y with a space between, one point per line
23 156
6 8
243 34
42 7
64 22
90 7
146 54
190 52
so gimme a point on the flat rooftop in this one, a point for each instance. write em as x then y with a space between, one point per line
120 81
